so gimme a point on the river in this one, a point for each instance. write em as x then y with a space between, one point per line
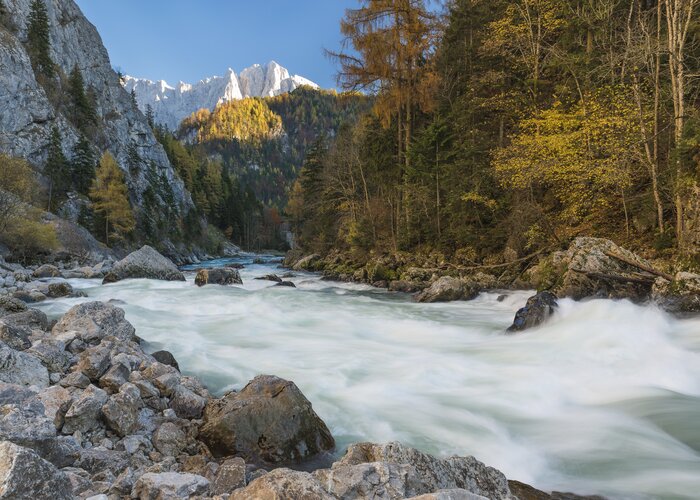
605 398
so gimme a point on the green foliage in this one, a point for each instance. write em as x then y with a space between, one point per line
38 40
83 166
82 108
57 170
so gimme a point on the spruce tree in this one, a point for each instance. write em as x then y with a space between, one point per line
83 111
109 195
134 102
149 116
83 166
39 41
56 169
133 159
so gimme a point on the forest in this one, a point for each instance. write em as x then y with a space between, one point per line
503 128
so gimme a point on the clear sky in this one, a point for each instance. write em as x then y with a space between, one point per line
189 40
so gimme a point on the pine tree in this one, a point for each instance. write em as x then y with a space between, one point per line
109 195
133 159
39 41
83 111
134 102
56 169
83 166
149 116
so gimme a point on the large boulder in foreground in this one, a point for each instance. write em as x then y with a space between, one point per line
595 267
218 276
92 321
680 296
268 421
538 308
144 263
447 289
24 474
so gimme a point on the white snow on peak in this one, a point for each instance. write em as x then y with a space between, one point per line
172 104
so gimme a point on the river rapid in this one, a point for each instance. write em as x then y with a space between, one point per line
604 398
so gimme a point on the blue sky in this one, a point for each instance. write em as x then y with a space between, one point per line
189 40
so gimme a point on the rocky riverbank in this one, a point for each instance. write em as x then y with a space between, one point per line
85 412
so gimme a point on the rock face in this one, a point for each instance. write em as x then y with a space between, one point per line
144 263
23 474
172 104
27 115
270 420
446 289
594 267
536 311
218 276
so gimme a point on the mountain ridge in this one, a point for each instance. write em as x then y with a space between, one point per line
171 104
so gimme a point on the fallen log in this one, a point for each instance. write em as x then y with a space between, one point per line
638 265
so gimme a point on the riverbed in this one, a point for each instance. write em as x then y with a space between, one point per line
604 398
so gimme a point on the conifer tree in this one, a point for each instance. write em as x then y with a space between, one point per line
83 166
83 111
149 116
133 158
38 39
109 195
134 103
56 169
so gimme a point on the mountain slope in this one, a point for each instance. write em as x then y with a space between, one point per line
173 104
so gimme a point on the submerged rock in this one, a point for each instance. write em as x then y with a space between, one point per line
270 277
536 311
218 276
447 289
268 421
286 283
144 263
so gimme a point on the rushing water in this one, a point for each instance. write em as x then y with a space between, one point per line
605 398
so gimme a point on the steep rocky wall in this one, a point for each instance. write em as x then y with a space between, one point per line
27 116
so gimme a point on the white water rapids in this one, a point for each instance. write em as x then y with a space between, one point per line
604 399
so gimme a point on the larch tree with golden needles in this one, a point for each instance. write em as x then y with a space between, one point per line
109 194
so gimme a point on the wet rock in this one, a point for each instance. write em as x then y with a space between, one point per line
270 277
166 358
62 289
406 286
157 486
47 271
269 420
169 439
85 412
680 296
25 475
217 276
538 308
229 477
447 289
121 411
283 483
286 283
22 369
144 263
93 321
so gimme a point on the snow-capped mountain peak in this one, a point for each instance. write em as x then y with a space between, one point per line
172 104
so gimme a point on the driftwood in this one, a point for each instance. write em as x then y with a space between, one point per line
615 277
643 267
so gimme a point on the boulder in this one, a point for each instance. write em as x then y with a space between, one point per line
10 305
93 321
14 337
370 480
144 263
229 477
94 361
538 308
218 276
22 369
85 411
269 420
270 277
100 459
447 289
166 358
406 286
452 494
680 296
29 296
30 321
121 411
286 283
47 271
169 439
186 403
25 475
169 485
52 353
56 290
308 263
283 483
56 401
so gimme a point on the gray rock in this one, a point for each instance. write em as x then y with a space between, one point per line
270 277
144 263
76 379
56 401
25 475
62 289
10 305
52 354
283 483
115 377
186 403
269 420
157 486
21 368
121 412
30 321
47 271
229 477
84 413
29 296
370 480
169 439
94 361
452 494
288 284
680 296
92 321
99 459
166 358
14 394
14 337
447 289
538 308
218 276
